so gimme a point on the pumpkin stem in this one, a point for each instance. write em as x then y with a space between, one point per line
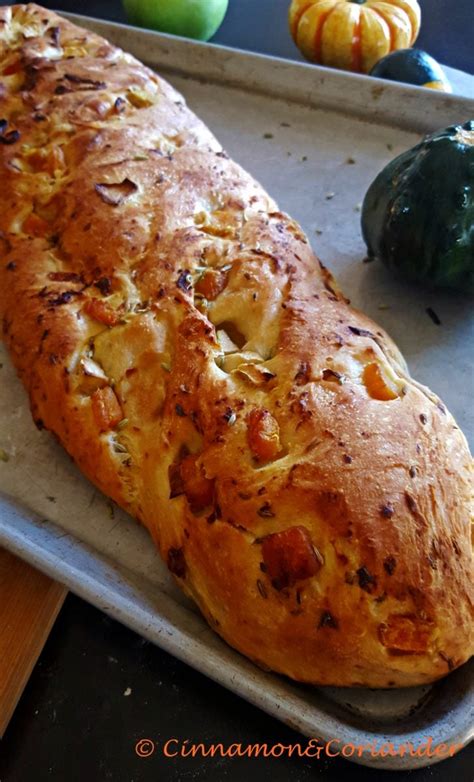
464 136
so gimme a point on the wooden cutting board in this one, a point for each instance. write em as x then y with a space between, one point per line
29 605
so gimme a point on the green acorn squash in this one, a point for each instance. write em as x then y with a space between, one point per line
418 214
412 66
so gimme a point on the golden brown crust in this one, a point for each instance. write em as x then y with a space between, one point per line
175 331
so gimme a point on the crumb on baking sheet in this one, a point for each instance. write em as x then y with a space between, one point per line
433 315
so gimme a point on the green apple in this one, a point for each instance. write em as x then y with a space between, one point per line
190 18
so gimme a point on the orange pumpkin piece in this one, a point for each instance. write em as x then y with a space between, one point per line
212 282
378 385
289 556
403 635
101 311
15 67
106 408
263 434
198 489
47 161
34 225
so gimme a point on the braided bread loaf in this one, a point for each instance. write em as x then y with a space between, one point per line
177 334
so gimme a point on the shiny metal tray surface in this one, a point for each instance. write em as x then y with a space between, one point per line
315 138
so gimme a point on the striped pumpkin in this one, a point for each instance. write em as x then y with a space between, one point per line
353 34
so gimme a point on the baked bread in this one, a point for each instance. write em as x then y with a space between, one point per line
177 334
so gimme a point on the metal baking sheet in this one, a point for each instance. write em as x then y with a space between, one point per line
315 138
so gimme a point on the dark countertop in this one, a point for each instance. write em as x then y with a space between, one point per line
74 720
75 723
